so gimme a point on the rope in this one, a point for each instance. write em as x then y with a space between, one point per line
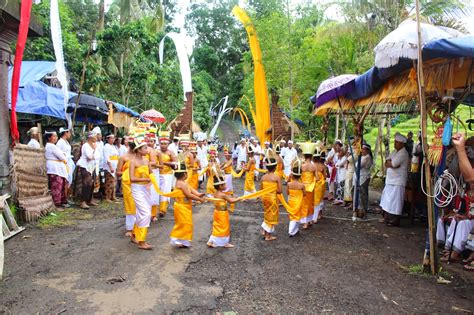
442 195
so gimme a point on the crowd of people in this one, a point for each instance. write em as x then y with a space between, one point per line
150 170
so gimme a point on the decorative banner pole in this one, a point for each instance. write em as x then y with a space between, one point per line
423 112
20 48
262 105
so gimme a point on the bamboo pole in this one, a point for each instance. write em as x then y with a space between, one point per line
421 97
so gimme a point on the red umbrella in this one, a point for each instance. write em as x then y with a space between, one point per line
154 116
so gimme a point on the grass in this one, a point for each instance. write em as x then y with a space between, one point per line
419 270
463 112
67 217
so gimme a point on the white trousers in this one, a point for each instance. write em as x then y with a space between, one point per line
155 198
293 228
141 196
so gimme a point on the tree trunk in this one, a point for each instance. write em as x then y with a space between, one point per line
100 28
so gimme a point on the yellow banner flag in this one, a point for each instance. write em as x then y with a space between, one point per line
262 105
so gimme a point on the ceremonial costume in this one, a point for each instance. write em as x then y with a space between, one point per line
348 181
295 197
142 198
182 233
111 156
56 168
393 195
289 155
220 226
33 143
129 204
249 185
65 147
319 190
270 208
307 208
166 181
88 168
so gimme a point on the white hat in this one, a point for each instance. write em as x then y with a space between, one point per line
62 129
97 130
282 141
33 131
400 138
338 141
290 142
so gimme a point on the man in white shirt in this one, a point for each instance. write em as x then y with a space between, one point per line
201 155
100 179
33 133
174 146
330 162
111 157
259 155
241 152
282 148
288 156
393 195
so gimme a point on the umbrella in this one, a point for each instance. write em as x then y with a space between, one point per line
154 116
332 88
88 106
403 42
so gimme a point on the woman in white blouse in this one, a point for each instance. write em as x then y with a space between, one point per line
64 145
88 168
56 168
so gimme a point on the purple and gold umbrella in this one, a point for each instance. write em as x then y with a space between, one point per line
332 88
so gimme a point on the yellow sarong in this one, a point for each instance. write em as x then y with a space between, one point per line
129 204
249 185
319 189
295 198
307 208
183 218
270 205
221 225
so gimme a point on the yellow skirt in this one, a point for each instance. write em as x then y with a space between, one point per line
183 222
129 204
221 225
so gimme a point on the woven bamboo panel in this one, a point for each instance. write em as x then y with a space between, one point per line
30 183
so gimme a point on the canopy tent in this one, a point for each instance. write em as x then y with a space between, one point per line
121 116
398 83
34 96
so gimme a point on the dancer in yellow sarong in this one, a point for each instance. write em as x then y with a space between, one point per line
129 205
279 168
270 203
319 186
210 190
227 168
220 236
307 178
296 191
167 162
249 168
152 156
139 172
193 166
182 233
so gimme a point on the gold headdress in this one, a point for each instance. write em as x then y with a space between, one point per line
277 148
297 167
181 164
250 149
193 146
164 136
307 147
270 158
219 178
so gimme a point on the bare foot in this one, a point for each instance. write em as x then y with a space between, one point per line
228 245
133 239
270 238
305 226
211 245
182 246
145 246
161 214
154 219
84 205
314 222
262 232
92 203
129 234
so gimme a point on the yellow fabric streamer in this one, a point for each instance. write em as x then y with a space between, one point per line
257 193
287 206
252 111
237 175
174 194
262 111
203 171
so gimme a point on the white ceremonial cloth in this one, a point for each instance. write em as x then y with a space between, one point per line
397 175
392 199
33 143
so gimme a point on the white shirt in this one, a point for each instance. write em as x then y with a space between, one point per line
55 159
398 176
290 155
111 155
64 146
365 166
331 154
100 151
283 151
241 153
341 168
89 158
34 144
202 156
173 147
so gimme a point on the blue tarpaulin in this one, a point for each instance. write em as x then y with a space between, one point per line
124 109
32 71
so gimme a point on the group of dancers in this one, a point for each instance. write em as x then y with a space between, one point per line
151 175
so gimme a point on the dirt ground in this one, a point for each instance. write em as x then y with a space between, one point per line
82 263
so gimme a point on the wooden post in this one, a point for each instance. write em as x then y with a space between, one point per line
421 97
337 125
40 131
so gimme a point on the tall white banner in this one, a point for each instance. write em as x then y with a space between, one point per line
57 39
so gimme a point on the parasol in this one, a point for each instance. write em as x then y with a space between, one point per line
403 42
154 116
332 88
